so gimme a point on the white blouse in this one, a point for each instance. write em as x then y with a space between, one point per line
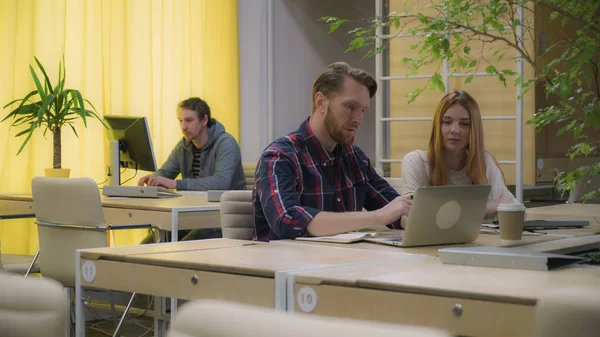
415 171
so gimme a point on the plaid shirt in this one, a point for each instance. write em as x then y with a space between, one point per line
296 178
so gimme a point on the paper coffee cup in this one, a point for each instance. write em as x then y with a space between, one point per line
510 218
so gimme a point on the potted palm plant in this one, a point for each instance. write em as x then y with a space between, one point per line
50 108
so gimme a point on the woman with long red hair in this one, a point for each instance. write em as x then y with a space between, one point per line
456 153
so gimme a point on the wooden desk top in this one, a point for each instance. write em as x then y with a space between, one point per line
482 240
567 209
429 276
16 196
241 257
118 253
185 202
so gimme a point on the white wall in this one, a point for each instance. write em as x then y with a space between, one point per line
301 50
252 21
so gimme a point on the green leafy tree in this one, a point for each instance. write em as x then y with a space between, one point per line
571 78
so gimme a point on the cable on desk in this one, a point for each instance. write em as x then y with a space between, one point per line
123 183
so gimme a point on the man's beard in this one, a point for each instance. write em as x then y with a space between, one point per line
336 134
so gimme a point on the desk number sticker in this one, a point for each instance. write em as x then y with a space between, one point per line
307 299
88 271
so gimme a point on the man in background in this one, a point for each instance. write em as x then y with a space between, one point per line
207 157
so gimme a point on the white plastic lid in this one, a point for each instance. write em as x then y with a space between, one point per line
511 207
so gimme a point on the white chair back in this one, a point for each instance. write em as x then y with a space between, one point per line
209 318
396 183
237 216
69 216
31 307
568 312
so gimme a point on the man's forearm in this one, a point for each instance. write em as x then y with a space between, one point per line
331 223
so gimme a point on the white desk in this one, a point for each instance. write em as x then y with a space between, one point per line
576 209
462 300
574 212
242 271
172 214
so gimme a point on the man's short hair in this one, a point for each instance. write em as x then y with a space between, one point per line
198 105
332 79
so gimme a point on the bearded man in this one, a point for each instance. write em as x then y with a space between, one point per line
314 181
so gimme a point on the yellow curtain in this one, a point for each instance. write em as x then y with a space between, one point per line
134 57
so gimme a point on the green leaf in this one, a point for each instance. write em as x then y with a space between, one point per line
46 78
469 78
491 69
502 79
498 26
74 131
473 64
357 43
334 24
554 15
411 96
445 45
437 80
38 84
467 49
26 139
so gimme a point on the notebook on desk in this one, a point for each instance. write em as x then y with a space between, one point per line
138 192
502 257
439 215
553 224
353 237
545 224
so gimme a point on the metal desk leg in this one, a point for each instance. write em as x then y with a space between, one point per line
79 298
160 323
174 238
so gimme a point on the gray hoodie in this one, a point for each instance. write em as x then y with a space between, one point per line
221 163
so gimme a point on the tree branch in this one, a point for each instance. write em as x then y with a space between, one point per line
596 79
523 52
569 15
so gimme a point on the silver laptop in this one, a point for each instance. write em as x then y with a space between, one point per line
442 215
138 192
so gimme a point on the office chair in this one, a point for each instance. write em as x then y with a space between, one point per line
31 307
237 217
69 216
396 183
210 318
18 264
568 312
249 169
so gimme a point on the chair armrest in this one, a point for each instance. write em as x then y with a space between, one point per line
17 216
132 226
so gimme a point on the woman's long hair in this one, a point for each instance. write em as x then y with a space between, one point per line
475 150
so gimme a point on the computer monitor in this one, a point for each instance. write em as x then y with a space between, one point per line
130 145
